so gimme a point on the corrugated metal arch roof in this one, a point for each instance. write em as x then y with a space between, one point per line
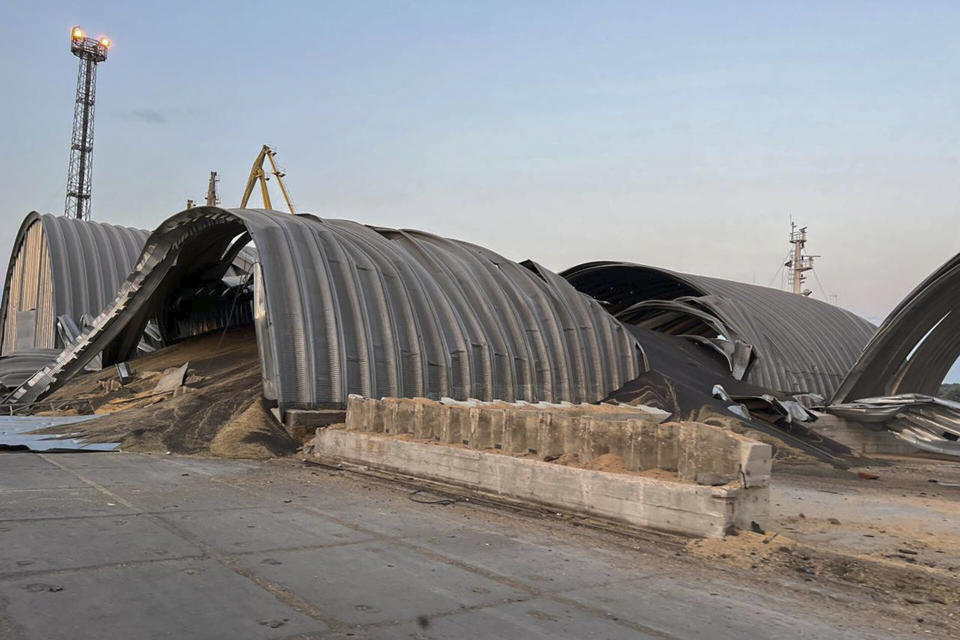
348 308
800 344
915 346
88 260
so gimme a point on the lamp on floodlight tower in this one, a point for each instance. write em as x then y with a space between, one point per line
91 52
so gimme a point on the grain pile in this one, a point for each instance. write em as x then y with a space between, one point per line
218 410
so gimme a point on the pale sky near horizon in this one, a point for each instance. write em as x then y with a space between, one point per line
680 134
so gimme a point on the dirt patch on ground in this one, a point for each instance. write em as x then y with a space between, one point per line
894 536
773 552
223 389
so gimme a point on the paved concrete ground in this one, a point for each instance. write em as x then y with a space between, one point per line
108 545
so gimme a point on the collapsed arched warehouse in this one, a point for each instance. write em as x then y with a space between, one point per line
343 308
62 273
772 339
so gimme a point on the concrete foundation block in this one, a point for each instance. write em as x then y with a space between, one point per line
487 424
553 429
382 417
756 459
430 415
638 501
667 446
700 454
357 410
647 453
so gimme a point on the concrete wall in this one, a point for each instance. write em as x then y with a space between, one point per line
695 451
722 477
676 507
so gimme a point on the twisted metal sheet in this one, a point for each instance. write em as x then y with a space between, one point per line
799 344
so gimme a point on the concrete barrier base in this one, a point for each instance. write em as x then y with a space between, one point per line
676 507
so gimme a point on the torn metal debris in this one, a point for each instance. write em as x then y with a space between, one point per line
928 423
796 344
19 432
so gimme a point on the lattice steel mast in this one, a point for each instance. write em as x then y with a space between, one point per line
91 52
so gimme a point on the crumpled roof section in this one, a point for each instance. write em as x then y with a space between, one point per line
797 344
915 346
343 308
406 313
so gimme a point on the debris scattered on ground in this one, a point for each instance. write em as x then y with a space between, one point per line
17 433
40 587
172 379
124 372
180 400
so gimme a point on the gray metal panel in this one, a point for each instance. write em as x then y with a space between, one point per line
26 329
17 367
915 346
379 312
18 432
800 344
244 261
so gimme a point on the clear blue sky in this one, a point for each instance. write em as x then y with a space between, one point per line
680 134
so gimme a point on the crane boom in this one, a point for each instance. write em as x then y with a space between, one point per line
258 175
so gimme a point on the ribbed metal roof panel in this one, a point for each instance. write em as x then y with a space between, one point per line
800 344
88 261
384 312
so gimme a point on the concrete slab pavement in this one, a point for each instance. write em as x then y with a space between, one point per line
133 548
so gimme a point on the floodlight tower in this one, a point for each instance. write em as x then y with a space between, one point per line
91 52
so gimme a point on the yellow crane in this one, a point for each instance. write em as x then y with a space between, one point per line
257 174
